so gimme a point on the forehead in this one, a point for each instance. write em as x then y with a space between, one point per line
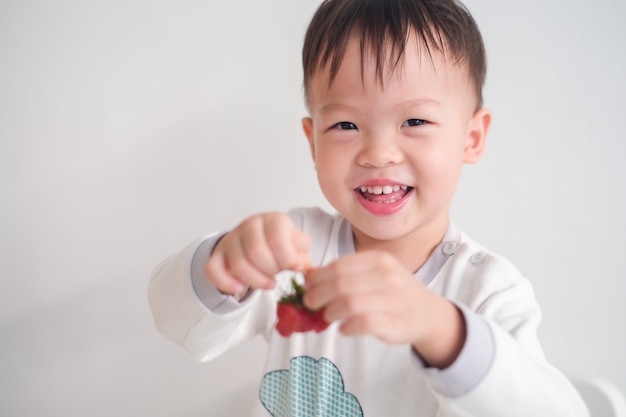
418 67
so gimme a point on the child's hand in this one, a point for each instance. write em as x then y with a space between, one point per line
373 293
258 248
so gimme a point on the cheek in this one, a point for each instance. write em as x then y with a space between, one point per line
330 176
445 153
332 170
439 170
328 160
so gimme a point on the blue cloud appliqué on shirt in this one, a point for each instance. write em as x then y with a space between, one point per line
309 388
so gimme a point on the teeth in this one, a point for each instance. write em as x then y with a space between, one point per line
386 189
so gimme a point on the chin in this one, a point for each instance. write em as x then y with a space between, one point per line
381 232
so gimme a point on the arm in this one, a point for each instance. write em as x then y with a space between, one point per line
188 291
491 365
205 327
518 377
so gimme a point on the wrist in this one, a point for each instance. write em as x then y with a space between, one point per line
445 338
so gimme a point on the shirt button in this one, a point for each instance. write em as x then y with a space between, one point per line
449 248
477 258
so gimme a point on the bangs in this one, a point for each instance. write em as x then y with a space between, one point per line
383 27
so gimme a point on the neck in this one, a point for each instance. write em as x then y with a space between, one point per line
412 249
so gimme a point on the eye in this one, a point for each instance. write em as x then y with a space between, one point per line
345 126
414 122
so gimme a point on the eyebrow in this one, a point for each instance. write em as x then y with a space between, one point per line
420 102
410 103
334 106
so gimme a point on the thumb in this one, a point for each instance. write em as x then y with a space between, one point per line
302 243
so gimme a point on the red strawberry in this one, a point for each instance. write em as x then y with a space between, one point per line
287 319
294 317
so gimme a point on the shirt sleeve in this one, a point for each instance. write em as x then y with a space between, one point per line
207 293
182 313
472 363
502 316
193 313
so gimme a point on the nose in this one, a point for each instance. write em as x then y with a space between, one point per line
379 152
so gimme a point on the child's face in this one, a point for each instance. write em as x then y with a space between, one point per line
407 140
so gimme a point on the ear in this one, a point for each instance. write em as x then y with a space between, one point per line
477 136
307 126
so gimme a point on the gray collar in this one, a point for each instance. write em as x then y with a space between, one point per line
446 248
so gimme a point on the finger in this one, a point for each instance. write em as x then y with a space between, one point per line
302 242
215 271
242 268
255 247
330 283
358 264
228 266
345 307
289 245
373 324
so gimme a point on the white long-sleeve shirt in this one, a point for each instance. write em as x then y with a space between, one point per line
500 372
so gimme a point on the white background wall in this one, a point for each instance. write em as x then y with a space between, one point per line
129 128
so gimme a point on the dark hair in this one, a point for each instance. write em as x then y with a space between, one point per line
383 27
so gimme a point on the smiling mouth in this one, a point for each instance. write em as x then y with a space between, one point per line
384 194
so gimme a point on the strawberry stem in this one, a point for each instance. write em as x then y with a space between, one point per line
299 289
296 296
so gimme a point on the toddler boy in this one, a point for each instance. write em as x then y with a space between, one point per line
423 320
